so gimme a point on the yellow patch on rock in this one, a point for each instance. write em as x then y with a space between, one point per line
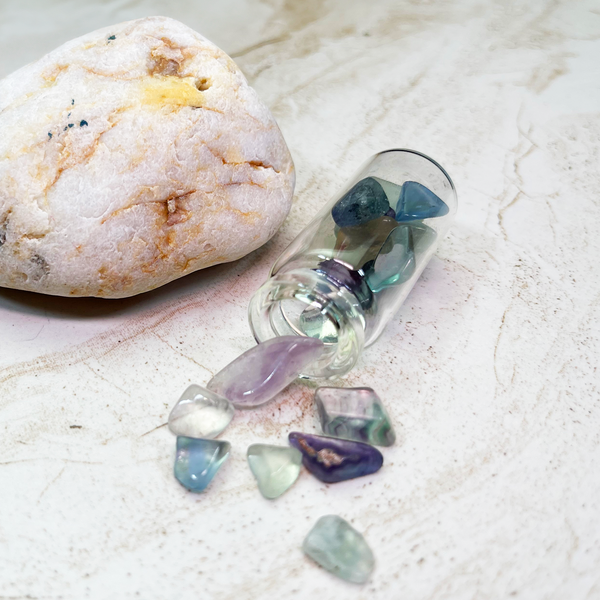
159 90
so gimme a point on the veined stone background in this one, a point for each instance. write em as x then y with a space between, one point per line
489 370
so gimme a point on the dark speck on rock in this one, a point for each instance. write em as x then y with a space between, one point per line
70 125
111 38
83 124
73 102
49 136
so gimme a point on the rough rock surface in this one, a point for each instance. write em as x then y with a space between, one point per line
130 157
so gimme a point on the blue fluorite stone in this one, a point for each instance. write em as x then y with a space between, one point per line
395 262
332 460
364 202
197 461
417 202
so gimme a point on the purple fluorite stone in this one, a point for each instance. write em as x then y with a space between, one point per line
262 372
353 281
332 460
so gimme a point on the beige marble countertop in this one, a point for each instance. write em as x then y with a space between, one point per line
489 370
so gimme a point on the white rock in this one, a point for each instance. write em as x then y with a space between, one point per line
130 157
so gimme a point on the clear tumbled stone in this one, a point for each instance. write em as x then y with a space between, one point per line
200 413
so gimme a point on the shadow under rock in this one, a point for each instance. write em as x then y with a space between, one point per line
59 307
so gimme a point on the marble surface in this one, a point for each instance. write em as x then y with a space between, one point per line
489 371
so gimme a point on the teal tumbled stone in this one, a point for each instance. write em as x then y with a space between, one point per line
335 545
417 202
354 414
197 461
395 262
275 468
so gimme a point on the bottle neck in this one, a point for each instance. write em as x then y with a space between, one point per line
304 302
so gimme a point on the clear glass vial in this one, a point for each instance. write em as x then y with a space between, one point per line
349 271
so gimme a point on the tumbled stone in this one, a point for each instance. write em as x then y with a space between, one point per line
395 263
197 461
317 325
133 156
418 202
275 468
364 202
332 460
354 414
423 236
263 371
337 547
353 281
200 413
357 245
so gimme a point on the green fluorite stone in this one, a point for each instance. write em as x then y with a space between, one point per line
354 414
276 468
338 547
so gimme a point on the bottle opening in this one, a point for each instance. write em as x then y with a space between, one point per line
305 303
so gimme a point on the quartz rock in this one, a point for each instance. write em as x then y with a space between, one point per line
336 546
197 461
263 371
332 460
354 414
395 262
418 202
364 202
200 413
276 468
133 156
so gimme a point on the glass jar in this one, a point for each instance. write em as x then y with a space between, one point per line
349 271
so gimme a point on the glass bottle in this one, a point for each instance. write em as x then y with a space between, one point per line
349 271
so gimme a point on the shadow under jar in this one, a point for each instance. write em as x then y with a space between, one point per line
349 271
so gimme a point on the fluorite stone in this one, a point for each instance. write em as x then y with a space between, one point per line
357 245
354 414
261 373
364 202
423 237
417 202
395 263
200 413
317 325
276 468
332 460
353 281
337 547
197 461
